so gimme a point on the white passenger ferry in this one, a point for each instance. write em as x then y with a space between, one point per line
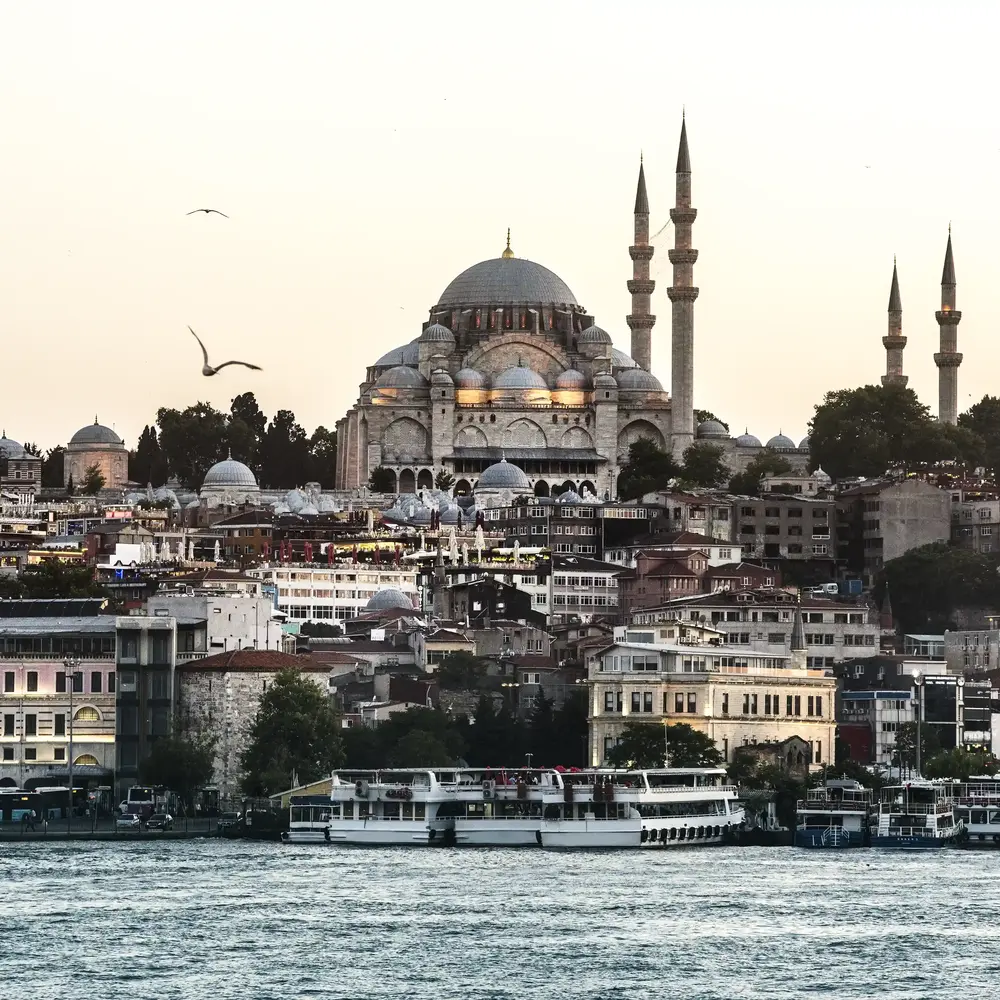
670 807
977 804
308 819
838 814
918 815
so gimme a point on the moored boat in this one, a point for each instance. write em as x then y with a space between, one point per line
917 815
837 814
977 805
308 820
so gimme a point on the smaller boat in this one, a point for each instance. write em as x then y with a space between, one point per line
308 820
917 816
837 814
978 806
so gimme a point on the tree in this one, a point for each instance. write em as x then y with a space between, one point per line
572 730
382 480
648 469
640 745
704 465
767 463
983 419
495 736
148 464
285 461
961 763
32 449
192 441
51 579
93 481
295 736
905 751
70 488
689 748
461 670
323 454
419 748
52 468
245 429
542 736
444 480
700 416
184 764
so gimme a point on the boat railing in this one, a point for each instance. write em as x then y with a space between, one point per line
833 805
917 808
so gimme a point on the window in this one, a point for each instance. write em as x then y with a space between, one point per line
692 703
8 681
127 678
59 753
8 725
647 701
776 638
32 680
636 701
767 704
819 705
31 725
794 511
818 758
111 682
788 704
60 682
59 725
30 753
678 702
746 704
753 704
129 647
798 705
725 704
78 682
809 705
95 682
8 753
609 701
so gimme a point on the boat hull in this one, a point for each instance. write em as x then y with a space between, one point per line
832 838
631 834
304 836
401 833
915 843
510 833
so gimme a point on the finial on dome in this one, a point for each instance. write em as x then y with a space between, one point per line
508 253
229 454
95 419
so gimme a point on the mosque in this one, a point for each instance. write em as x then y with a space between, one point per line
511 369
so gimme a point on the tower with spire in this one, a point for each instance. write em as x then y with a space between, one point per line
682 294
640 320
948 359
894 341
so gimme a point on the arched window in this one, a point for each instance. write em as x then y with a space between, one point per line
87 714
86 759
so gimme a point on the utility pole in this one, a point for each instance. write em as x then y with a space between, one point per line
71 665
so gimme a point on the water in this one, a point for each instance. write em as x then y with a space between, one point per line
224 919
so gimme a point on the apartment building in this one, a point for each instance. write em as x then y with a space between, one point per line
975 523
704 513
583 588
797 528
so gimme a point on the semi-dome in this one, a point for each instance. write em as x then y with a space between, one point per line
507 281
401 377
469 378
712 429
503 476
621 360
638 380
594 335
519 378
781 443
10 448
388 599
408 354
571 379
96 433
229 472
748 440
435 333
804 443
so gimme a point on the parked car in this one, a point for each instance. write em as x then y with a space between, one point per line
160 821
227 822
128 822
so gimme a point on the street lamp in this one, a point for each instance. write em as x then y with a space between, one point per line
918 682
71 664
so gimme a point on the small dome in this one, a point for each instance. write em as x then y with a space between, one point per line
229 473
387 599
570 496
571 379
519 378
408 354
401 377
638 380
280 508
327 505
308 510
804 444
621 360
192 505
781 443
605 381
440 377
469 378
295 500
594 335
712 429
450 514
748 440
435 333
503 475
96 433
10 448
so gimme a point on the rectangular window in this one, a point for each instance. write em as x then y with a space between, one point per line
8 681
59 753
753 704
819 705
678 702
636 701
59 725
818 759
798 705
111 682
32 680
60 683
788 704
30 753
809 706
609 701
8 753
647 701
692 703
95 682
8 725
31 725
767 704
746 704
725 704
78 682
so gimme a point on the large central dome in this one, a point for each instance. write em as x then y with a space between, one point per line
507 281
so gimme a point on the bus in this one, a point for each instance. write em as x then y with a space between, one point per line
46 803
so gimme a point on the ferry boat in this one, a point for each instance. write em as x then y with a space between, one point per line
669 807
978 806
838 814
308 820
917 815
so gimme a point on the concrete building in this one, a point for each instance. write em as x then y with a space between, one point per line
973 651
796 528
764 620
96 445
583 588
673 544
869 720
975 523
232 621
883 519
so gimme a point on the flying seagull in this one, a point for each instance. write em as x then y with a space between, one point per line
207 210
207 369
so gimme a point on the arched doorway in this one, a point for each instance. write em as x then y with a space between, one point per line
425 481
407 481
462 488
541 488
559 490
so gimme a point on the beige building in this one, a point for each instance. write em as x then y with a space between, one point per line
97 445
736 696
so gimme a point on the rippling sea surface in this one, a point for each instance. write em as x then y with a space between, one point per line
225 919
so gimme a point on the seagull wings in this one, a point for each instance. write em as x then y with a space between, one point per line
246 364
200 344
207 210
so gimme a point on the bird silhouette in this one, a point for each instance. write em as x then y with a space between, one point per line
207 210
207 369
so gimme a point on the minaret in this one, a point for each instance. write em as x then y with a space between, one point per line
641 320
682 294
894 341
948 359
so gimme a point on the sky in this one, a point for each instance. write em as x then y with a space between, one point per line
368 153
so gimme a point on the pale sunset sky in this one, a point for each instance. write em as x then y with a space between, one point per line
368 153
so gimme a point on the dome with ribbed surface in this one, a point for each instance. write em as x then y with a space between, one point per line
229 473
519 378
95 433
435 333
781 443
503 475
712 429
441 377
469 378
408 354
571 379
569 496
605 381
10 448
748 440
804 444
621 360
401 377
389 599
508 281
594 335
638 380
